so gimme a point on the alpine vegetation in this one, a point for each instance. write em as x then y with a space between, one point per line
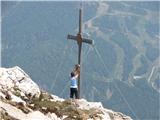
22 99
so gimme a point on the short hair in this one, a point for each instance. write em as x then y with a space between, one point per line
72 74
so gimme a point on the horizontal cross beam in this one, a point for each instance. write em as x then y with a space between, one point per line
72 37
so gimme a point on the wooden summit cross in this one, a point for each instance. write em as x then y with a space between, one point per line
79 40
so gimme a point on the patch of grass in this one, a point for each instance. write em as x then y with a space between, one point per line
17 93
67 108
44 96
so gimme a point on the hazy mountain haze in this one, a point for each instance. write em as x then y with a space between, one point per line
121 70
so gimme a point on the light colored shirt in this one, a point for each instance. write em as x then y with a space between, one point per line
74 82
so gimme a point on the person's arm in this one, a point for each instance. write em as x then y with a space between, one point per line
77 73
76 76
76 70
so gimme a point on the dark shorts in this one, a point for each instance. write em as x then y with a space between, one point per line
74 92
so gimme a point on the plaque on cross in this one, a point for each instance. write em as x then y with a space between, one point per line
79 38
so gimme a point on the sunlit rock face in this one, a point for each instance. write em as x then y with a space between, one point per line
22 99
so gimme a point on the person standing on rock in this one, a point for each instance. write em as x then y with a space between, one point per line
73 83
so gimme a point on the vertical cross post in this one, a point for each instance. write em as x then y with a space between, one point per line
79 40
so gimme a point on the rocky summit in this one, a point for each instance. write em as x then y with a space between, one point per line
22 99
